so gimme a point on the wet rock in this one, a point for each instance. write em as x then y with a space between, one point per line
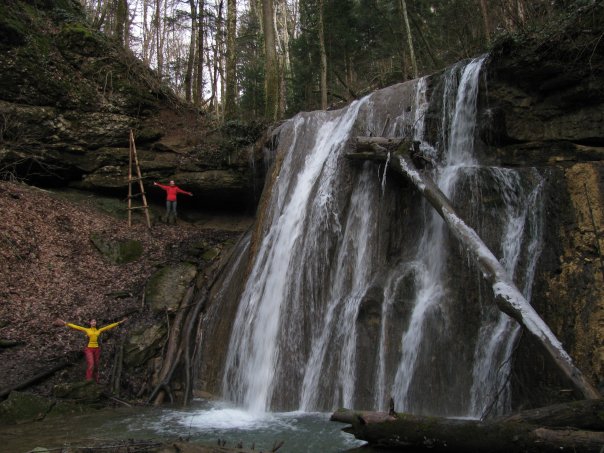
22 407
143 344
83 391
168 286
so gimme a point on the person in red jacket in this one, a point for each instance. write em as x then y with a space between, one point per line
171 192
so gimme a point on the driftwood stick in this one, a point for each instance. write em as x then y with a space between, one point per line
508 297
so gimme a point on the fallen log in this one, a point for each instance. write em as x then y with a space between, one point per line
10 343
508 297
35 378
540 430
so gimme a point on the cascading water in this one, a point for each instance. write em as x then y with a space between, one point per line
356 293
498 332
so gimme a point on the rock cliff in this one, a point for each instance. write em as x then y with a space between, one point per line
69 97
543 107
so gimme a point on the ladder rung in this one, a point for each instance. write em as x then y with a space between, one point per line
136 179
136 195
138 207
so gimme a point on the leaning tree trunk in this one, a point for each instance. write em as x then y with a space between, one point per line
508 297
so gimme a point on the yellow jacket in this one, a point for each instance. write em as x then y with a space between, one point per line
93 333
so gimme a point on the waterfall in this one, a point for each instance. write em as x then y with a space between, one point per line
356 292
254 352
431 254
498 332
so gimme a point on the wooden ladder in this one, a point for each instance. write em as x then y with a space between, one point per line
131 180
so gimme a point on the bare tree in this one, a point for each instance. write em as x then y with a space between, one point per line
159 29
323 57
121 27
484 9
403 5
198 89
230 101
192 49
271 68
284 28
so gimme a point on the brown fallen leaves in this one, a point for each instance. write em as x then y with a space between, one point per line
49 269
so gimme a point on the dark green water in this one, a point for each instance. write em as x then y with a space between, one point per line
202 423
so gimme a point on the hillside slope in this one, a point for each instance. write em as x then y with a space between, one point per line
49 268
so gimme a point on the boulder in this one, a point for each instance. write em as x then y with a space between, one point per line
22 407
168 286
143 344
118 251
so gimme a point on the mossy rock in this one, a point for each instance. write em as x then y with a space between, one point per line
22 407
148 135
210 254
83 391
118 251
81 39
62 408
143 344
204 250
168 286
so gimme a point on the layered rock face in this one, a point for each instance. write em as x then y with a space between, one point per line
69 97
544 108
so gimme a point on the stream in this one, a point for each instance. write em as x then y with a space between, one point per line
204 422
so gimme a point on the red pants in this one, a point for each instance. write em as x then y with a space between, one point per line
93 355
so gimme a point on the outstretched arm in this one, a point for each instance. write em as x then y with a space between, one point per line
73 326
161 186
111 326
179 190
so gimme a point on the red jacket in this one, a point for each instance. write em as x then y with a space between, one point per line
172 191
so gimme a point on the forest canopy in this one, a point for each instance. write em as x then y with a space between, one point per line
273 58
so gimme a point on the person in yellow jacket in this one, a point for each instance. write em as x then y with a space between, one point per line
92 352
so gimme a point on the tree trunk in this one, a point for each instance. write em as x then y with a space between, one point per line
198 90
484 9
121 22
192 48
282 21
323 58
575 426
403 4
217 46
159 34
147 35
230 102
507 296
271 69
